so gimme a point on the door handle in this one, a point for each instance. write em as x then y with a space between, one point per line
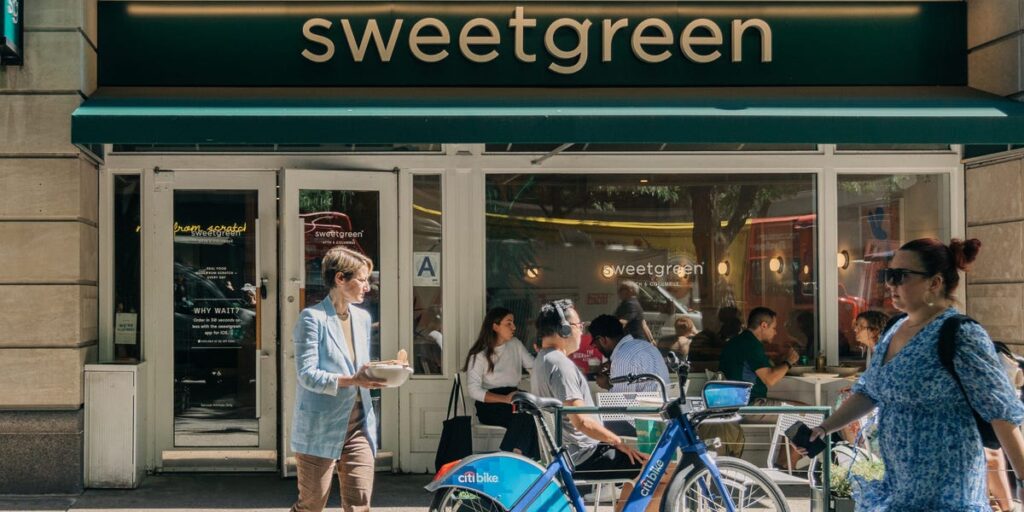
263 287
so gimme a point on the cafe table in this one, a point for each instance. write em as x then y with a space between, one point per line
811 389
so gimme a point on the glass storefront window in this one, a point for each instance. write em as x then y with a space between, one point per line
877 214
632 148
894 147
704 249
277 148
427 314
127 269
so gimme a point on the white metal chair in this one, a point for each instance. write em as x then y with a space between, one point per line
624 400
483 435
785 476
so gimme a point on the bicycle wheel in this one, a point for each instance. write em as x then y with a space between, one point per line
747 486
460 500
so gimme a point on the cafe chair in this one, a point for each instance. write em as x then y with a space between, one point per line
784 475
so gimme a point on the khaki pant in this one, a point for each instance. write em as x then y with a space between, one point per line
355 475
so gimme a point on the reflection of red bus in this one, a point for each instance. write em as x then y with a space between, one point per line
781 274
323 230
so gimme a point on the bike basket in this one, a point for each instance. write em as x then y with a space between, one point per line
726 394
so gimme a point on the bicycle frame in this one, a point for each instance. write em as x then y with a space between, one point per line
679 434
558 468
545 492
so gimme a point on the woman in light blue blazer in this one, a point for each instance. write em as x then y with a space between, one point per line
334 427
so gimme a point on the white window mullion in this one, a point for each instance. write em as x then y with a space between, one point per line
828 247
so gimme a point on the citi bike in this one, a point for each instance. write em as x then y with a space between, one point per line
506 482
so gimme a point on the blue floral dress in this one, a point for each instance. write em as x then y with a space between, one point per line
927 434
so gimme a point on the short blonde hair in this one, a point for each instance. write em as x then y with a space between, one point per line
340 259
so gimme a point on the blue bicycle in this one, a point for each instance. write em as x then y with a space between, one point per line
505 482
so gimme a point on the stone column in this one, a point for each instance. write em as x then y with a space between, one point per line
995 185
48 250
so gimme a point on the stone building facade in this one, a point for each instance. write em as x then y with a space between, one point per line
49 231
48 250
995 183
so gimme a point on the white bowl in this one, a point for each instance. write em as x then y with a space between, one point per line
394 375
843 371
796 371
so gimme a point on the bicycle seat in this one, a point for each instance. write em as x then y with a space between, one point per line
527 402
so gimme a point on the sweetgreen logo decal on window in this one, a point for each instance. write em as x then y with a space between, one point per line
10 38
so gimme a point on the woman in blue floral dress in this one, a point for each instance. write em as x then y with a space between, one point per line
927 434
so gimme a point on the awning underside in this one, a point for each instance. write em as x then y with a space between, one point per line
865 115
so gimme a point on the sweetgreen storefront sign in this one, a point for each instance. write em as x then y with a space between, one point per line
11 36
532 43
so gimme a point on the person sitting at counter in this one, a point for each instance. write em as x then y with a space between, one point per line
680 341
744 358
868 327
627 355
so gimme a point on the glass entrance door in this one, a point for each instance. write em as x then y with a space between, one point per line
220 382
321 210
216 318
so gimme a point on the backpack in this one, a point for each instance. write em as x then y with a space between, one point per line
947 348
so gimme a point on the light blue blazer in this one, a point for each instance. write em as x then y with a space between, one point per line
322 409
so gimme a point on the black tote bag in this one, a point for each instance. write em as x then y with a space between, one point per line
456 432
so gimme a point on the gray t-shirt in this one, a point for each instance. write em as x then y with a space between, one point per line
555 376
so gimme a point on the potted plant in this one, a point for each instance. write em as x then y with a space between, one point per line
841 483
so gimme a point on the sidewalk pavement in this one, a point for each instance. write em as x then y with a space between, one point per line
220 492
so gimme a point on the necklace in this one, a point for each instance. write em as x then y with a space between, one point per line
340 308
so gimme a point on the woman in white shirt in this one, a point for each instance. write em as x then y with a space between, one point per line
493 369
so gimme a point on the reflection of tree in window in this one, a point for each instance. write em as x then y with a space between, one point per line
578 210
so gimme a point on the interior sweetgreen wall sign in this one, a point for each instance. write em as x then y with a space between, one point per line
532 43
12 35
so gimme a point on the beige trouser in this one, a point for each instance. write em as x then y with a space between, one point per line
355 475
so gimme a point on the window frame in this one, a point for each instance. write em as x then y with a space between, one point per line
463 168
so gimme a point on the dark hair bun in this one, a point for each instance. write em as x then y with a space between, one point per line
964 252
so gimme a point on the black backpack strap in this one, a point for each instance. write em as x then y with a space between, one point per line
947 343
947 350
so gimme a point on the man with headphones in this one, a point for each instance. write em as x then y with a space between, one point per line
591 446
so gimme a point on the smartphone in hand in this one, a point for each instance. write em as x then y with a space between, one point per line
800 435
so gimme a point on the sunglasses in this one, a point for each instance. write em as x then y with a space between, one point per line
895 276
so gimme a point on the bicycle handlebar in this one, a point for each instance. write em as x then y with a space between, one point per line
642 377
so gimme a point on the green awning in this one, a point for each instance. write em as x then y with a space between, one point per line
868 115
